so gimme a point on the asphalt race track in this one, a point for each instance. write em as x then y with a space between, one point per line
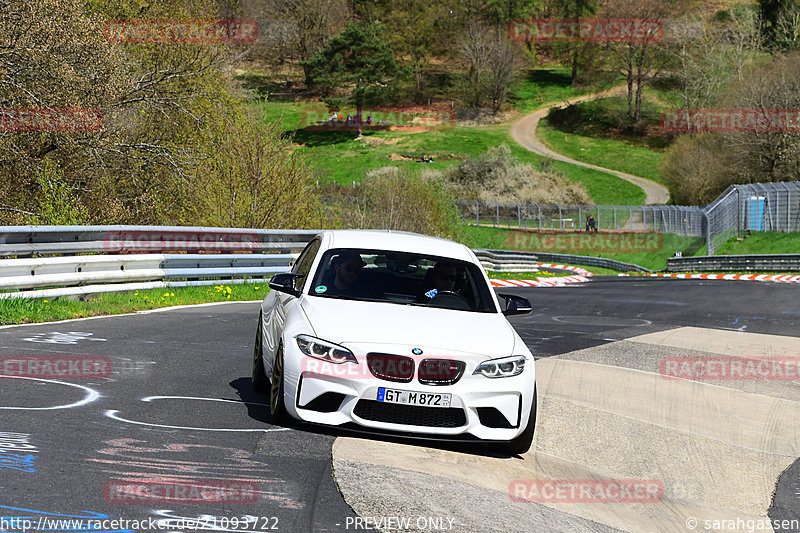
174 408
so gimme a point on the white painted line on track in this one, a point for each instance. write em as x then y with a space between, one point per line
91 395
111 413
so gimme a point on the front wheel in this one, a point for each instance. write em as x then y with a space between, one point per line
259 378
276 406
521 444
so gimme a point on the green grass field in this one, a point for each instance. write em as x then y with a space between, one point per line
615 154
539 87
767 242
337 157
19 311
590 134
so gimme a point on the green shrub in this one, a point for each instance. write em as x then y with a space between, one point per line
404 200
498 177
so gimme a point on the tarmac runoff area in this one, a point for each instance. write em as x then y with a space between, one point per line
717 447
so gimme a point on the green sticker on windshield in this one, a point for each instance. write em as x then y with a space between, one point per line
321 289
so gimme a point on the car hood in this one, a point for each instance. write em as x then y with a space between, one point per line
371 324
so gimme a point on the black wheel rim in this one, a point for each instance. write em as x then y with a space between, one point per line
257 355
275 388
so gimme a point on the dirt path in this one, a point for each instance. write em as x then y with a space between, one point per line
524 132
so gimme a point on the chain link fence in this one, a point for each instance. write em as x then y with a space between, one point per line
752 207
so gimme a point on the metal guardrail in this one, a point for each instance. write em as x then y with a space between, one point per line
121 270
57 240
126 261
501 259
735 263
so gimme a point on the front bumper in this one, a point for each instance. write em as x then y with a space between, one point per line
486 408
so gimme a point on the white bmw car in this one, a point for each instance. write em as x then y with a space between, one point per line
396 332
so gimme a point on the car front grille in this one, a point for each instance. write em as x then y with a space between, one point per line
410 415
440 371
398 368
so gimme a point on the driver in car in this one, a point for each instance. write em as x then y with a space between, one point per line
444 276
347 267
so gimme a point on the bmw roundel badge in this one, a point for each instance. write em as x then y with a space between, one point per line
416 351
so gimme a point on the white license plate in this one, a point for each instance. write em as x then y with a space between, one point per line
428 399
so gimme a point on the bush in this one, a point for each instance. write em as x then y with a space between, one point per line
404 200
251 178
497 177
695 169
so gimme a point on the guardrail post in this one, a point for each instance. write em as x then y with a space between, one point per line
519 216
477 214
540 216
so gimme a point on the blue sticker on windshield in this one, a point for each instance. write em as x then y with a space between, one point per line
321 289
431 293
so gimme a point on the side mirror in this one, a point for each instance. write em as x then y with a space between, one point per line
285 283
516 305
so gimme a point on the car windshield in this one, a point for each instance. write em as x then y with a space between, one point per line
402 278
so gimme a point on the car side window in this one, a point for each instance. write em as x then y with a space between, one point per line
303 264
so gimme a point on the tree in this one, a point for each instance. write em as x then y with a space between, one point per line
251 178
709 54
781 27
772 155
492 62
162 107
638 59
313 22
411 26
698 166
474 49
575 9
505 63
354 60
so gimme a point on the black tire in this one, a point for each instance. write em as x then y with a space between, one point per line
259 378
522 443
276 406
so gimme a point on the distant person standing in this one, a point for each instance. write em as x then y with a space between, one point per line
590 223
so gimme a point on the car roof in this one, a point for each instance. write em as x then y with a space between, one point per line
398 241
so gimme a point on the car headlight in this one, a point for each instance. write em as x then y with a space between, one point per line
504 367
327 351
